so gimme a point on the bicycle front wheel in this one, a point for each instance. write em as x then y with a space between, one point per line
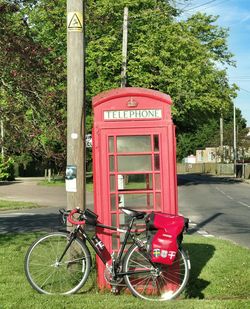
48 273
158 283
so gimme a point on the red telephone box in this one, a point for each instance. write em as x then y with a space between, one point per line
134 158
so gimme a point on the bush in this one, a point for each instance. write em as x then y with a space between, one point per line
7 171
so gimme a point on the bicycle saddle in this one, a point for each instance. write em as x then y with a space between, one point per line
133 213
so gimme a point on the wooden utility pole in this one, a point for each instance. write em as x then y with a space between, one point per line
75 172
1 136
124 48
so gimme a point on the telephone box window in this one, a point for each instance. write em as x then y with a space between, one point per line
113 201
156 142
123 223
112 163
112 183
134 163
138 182
137 201
133 143
111 144
113 220
157 181
158 201
115 241
157 162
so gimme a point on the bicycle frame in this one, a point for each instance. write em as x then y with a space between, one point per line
116 262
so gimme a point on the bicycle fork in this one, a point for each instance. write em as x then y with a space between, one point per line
72 237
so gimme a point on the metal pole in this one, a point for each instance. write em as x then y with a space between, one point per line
2 135
75 173
124 48
235 150
221 139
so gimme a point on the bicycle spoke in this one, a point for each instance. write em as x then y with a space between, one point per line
137 263
42 285
162 283
71 261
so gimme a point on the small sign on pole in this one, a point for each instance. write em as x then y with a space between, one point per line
75 21
88 140
70 178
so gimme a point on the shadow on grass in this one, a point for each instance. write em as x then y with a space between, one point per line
30 223
199 255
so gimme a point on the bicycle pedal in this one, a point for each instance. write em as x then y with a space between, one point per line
114 290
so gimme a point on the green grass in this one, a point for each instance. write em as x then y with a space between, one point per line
53 182
12 205
61 183
89 187
220 278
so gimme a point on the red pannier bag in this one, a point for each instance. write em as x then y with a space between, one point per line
164 236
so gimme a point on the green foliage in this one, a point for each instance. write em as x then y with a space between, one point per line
33 79
7 171
176 57
207 135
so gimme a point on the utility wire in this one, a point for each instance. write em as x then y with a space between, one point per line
212 2
216 4
244 90
200 5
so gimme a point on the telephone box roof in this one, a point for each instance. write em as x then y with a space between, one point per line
130 92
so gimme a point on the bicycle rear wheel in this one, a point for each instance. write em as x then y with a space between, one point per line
159 283
47 274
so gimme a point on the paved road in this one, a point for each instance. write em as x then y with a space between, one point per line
216 205
219 206
44 218
28 190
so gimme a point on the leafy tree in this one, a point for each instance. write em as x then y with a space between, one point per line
183 58
207 135
174 57
7 169
32 97
180 58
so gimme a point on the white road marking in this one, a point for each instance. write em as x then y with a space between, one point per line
192 224
218 189
230 197
204 233
244 204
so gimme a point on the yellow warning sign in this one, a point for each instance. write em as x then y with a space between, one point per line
75 21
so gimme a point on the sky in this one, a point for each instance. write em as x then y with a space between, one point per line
235 15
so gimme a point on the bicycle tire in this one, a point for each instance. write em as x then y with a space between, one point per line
46 275
162 282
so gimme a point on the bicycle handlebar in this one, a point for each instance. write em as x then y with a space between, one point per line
75 222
